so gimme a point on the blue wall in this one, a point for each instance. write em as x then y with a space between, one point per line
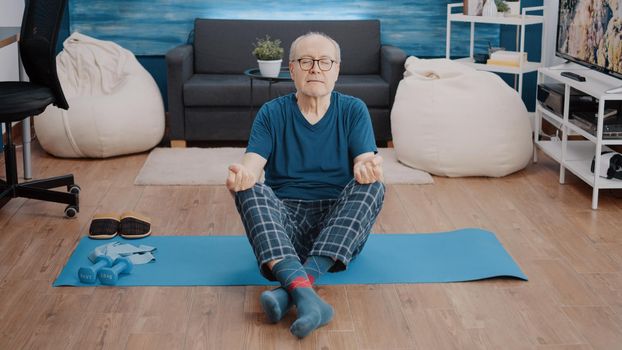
152 27
156 64
533 46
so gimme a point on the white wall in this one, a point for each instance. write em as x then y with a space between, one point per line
10 16
550 33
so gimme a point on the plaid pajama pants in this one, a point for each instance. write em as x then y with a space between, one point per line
336 228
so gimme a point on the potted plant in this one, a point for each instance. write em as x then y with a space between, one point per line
502 7
269 55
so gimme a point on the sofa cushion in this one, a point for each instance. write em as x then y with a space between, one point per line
372 89
233 123
224 46
229 90
216 90
233 90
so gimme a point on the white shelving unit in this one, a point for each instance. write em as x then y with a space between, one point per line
519 21
577 155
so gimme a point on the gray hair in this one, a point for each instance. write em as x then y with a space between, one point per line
292 49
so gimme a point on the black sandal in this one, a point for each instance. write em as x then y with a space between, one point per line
134 225
104 226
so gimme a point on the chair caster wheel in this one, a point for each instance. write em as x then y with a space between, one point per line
71 211
75 189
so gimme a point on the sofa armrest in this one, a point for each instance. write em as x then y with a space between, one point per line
392 61
180 67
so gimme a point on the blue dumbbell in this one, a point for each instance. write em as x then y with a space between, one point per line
88 274
110 275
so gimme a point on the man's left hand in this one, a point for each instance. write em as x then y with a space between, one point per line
369 170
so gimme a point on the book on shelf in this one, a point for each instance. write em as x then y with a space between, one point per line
509 55
507 58
502 63
592 116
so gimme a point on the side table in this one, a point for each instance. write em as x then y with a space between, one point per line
253 73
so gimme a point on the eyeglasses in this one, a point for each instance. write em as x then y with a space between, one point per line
325 64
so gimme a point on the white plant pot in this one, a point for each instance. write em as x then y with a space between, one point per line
514 8
269 68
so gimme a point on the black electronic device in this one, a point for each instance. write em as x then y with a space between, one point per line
551 97
588 121
480 58
573 76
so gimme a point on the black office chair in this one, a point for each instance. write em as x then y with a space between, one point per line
20 100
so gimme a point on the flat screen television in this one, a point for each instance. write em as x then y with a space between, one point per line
589 32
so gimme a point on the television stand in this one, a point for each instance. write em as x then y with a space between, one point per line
568 65
616 90
575 154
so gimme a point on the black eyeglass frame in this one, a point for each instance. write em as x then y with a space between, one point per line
332 62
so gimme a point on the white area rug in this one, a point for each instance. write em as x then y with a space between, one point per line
208 166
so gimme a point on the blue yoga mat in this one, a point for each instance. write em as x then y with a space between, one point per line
463 255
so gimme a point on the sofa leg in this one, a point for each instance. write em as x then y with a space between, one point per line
390 144
178 143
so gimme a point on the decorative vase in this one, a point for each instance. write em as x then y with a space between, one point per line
472 7
490 8
270 69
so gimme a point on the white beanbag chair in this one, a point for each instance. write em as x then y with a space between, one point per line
115 106
452 120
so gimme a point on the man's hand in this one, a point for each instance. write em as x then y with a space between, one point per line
369 170
240 178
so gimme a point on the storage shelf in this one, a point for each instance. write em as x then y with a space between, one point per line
508 20
552 149
527 66
551 117
612 142
580 131
519 21
579 155
595 83
557 122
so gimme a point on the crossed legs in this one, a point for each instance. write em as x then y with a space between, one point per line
325 234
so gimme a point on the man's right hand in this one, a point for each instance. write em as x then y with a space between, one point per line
240 178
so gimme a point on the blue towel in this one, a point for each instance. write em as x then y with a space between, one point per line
462 255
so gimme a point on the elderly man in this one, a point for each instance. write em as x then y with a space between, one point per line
323 187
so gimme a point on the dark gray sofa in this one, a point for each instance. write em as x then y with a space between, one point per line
209 96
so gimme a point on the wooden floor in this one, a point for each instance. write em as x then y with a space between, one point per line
572 255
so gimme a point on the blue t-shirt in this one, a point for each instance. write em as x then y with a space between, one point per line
311 161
